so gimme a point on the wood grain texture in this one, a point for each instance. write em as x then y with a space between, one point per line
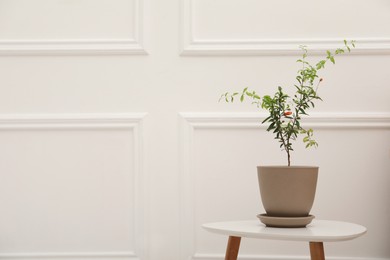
233 247
317 251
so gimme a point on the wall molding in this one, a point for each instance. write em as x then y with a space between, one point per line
132 46
71 47
273 257
95 122
192 46
355 120
221 47
66 256
131 121
190 122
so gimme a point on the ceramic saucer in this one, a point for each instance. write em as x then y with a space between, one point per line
285 222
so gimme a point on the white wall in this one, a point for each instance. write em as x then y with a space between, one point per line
114 145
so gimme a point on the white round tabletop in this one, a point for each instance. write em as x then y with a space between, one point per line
316 231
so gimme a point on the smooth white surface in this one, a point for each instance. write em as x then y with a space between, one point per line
316 231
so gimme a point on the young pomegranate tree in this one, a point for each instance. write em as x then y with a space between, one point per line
285 112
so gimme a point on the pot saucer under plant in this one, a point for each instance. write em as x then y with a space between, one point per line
285 222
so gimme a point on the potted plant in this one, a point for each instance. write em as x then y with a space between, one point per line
287 192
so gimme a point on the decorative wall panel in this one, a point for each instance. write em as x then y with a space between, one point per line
220 153
228 27
72 187
71 27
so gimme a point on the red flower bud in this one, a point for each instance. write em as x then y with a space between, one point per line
287 113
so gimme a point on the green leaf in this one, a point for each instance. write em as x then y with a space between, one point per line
267 119
320 64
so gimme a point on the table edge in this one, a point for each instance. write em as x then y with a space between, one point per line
285 237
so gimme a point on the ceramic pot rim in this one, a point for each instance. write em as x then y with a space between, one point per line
288 167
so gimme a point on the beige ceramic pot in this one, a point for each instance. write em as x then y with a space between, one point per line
287 191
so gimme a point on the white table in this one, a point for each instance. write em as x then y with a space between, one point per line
315 233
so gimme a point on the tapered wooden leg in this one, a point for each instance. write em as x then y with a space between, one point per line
317 251
232 248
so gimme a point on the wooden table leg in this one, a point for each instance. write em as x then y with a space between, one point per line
232 248
317 251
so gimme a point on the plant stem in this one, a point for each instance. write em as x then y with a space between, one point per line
286 149
288 157
285 143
